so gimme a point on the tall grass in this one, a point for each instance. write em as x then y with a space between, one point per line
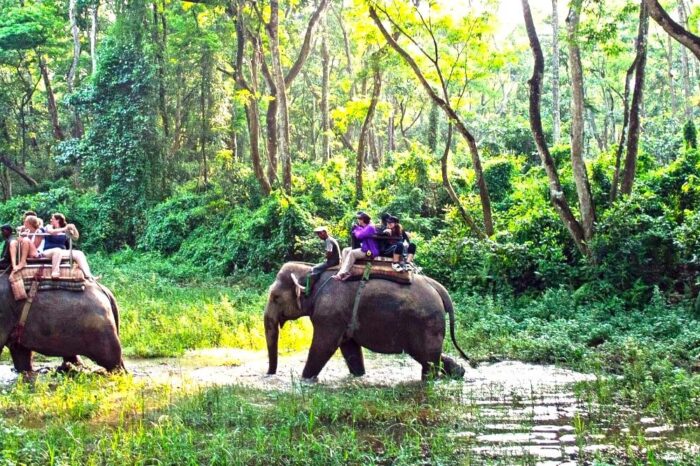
118 420
164 312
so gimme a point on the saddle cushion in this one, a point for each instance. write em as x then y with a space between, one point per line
380 269
68 273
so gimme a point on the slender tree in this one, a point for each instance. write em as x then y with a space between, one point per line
583 187
556 117
444 103
364 132
556 192
637 97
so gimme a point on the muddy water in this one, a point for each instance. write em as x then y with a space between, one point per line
517 412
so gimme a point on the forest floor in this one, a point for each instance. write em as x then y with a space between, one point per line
512 411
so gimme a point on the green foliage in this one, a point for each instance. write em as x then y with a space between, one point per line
633 247
498 174
243 238
27 27
121 151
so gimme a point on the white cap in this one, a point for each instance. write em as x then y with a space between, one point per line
320 229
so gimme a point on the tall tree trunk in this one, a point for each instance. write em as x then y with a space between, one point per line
675 30
159 35
325 90
599 139
556 114
391 133
671 77
623 131
282 82
583 187
51 100
75 32
556 193
280 97
433 128
637 97
93 35
685 72
452 116
251 104
272 130
204 106
77 129
361 147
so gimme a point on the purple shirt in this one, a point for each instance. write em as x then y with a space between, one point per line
365 235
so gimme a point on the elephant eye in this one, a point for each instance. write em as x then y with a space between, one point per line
275 298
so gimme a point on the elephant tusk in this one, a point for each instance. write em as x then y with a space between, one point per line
300 288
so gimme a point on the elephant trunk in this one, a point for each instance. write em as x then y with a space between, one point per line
272 333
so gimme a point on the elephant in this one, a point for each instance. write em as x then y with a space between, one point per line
393 318
63 323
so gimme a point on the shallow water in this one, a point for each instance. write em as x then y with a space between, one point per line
519 412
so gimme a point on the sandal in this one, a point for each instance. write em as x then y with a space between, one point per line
341 276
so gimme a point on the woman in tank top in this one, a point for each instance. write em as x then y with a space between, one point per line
55 246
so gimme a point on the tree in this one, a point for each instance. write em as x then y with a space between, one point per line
583 187
442 101
637 97
556 117
556 192
675 30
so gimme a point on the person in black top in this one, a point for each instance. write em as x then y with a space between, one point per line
5 257
400 242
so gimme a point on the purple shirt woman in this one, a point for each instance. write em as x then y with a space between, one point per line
364 232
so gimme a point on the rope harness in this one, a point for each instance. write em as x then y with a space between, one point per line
18 331
354 324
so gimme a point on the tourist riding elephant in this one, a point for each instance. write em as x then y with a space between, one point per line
62 323
391 318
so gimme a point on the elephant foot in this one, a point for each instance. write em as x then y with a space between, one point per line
309 380
451 368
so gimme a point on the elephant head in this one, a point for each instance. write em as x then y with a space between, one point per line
283 304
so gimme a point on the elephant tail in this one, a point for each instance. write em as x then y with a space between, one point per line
449 308
115 313
112 302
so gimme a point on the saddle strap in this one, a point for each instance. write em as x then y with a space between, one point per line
18 332
354 325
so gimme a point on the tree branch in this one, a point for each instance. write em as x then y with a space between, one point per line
22 174
675 30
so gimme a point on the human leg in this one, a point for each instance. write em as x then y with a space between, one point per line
55 255
25 246
80 258
13 252
348 262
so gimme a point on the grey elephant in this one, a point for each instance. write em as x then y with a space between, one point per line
63 323
391 318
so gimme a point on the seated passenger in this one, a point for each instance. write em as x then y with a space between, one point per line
55 246
364 232
398 236
29 242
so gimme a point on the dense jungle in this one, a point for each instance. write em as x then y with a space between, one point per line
541 154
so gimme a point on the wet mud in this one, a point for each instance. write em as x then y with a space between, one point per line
518 413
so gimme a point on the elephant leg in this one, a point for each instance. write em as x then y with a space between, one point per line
70 363
22 358
352 352
323 345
